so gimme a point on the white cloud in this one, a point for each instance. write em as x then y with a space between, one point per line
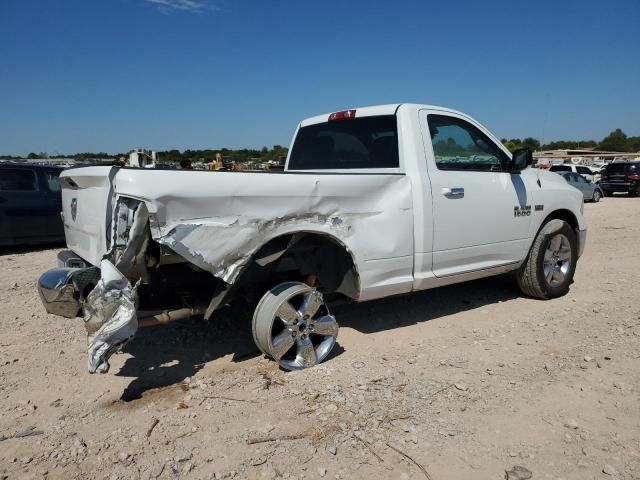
191 6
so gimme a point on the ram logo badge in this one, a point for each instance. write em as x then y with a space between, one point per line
74 209
522 211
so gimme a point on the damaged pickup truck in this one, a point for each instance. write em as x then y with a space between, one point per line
373 202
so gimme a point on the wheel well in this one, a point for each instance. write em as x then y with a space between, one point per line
565 215
301 255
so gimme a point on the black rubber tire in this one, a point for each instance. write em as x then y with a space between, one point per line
530 275
608 193
596 196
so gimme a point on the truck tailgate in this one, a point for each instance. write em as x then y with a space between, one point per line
86 210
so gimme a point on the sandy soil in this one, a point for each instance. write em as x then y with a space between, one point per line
464 382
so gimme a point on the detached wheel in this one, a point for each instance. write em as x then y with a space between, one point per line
548 270
292 325
596 196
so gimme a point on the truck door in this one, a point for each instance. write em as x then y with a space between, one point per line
21 216
481 212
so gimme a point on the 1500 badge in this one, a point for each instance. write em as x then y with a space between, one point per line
522 211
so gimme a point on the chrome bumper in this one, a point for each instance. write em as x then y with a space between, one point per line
63 289
582 240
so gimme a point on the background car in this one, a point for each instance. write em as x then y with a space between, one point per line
579 169
621 177
30 204
590 191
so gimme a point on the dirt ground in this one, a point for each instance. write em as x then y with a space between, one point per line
463 382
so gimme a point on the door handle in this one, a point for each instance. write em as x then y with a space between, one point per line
453 192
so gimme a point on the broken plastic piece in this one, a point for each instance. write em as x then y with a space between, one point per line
109 316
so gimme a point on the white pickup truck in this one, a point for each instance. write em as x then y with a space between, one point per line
373 202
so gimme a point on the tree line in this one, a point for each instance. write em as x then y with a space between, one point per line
173 156
616 141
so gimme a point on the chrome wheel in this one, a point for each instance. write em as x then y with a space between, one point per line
557 260
293 325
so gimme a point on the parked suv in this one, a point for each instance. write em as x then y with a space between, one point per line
579 169
30 204
621 177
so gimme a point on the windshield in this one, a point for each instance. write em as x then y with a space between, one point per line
368 142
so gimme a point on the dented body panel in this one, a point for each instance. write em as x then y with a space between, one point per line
217 220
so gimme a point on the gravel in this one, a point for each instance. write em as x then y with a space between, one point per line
463 382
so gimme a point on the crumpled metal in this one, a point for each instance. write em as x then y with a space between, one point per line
109 316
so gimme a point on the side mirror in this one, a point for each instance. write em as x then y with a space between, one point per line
520 160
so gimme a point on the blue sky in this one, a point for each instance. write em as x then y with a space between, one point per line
111 75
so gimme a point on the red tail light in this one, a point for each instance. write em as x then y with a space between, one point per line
604 176
342 115
633 176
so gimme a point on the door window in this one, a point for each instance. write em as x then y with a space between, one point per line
579 178
458 145
17 180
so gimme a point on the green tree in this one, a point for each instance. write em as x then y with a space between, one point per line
531 143
616 141
513 144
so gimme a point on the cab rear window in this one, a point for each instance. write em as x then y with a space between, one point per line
367 142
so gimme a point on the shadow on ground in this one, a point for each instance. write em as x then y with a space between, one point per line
20 249
166 355
419 307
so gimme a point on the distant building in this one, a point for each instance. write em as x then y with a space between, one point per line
580 156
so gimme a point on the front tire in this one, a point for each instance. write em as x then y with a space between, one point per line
292 325
596 196
548 270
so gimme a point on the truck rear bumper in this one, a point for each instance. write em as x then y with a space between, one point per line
62 289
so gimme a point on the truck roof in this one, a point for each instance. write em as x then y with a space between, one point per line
375 110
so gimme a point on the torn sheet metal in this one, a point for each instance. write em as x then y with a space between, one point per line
109 316
130 237
218 220
223 249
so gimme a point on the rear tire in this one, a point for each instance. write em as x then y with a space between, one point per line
293 325
548 270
